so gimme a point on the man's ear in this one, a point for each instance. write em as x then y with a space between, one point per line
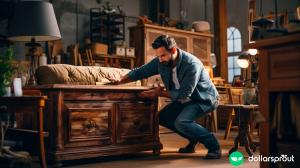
173 50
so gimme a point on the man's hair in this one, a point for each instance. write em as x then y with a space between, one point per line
164 41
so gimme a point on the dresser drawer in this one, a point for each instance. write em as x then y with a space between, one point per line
135 122
284 62
89 122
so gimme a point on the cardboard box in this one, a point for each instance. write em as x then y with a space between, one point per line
120 51
130 52
99 49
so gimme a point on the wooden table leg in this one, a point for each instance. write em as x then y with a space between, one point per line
244 137
43 162
131 63
105 61
117 63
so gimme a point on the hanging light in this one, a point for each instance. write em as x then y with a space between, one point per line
262 21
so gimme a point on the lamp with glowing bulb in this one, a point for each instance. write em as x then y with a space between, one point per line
243 60
252 51
33 21
249 64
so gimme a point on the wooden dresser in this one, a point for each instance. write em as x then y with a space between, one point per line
86 121
142 36
279 73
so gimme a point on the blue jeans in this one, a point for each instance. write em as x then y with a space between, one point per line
181 118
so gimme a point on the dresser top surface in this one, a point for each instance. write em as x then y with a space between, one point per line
92 87
292 38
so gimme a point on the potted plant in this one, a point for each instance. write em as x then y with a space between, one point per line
7 70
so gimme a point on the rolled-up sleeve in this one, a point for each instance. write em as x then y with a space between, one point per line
145 71
189 82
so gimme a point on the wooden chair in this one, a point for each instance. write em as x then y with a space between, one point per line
55 48
235 97
89 55
212 116
76 59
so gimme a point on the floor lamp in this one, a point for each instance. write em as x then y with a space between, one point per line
33 21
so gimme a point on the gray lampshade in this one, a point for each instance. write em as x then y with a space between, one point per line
33 19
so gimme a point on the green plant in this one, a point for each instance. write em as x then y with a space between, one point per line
7 69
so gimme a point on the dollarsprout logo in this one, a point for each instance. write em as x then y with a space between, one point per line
236 158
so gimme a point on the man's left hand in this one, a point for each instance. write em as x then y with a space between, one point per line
152 93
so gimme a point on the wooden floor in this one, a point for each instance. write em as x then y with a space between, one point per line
169 157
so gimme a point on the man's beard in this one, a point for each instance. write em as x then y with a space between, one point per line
166 63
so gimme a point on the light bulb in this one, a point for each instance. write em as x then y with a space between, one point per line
252 51
243 63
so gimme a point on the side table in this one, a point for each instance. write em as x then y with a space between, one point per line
17 104
244 113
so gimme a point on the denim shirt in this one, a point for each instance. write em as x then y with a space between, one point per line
194 80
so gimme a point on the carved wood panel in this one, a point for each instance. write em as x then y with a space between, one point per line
89 121
135 122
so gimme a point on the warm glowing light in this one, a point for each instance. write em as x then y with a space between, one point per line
252 51
243 63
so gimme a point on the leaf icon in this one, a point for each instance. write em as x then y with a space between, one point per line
234 158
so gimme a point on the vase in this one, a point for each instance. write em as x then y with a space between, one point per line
17 86
7 91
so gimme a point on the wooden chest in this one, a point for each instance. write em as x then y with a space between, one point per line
87 121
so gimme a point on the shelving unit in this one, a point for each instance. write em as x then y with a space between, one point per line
106 28
142 36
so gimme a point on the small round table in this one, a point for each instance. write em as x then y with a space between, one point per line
244 113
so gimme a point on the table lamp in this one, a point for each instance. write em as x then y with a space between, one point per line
243 60
33 21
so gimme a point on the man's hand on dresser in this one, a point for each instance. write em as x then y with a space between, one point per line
113 82
152 93
122 80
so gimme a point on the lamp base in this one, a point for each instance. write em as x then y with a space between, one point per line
31 81
33 48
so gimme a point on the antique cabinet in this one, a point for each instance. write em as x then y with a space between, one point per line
142 36
87 121
279 75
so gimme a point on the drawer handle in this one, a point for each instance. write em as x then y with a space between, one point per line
90 125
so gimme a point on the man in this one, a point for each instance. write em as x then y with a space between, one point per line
188 85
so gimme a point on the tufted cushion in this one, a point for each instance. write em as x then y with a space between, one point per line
69 74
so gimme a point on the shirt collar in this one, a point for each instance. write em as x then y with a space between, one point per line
179 51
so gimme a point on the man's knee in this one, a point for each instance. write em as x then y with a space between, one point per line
182 125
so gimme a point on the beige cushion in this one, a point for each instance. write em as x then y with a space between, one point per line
69 74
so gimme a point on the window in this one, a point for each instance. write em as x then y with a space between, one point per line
234 48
